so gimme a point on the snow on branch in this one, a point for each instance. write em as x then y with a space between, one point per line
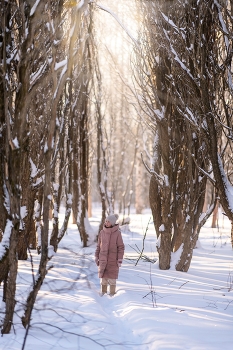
227 185
59 65
204 216
62 78
5 243
37 75
34 7
203 171
176 56
226 34
188 114
158 177
169 21
106 9
223 24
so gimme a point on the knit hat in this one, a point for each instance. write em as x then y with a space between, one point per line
112 218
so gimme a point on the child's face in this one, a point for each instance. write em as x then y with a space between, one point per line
108 223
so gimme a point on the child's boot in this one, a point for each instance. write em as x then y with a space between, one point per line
112 290
104 289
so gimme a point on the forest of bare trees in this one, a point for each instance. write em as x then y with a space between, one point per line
82 123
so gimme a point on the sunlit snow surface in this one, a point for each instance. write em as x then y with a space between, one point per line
152 310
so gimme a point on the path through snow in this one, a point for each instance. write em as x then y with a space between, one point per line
152 310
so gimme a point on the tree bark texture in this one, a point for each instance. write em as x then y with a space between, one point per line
177 188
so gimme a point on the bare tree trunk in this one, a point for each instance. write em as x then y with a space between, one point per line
83 168
27 229
38 218
3 211
140 185
101 151
232 234
73 135
75 190
68 192
6 42
13 189
215 215
37 285
11 283
64 227
128 187
44 243
89 203
57 193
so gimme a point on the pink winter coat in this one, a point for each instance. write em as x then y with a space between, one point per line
110 248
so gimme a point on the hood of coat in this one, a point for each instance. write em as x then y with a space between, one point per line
111 229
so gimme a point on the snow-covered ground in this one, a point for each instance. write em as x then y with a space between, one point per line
152 310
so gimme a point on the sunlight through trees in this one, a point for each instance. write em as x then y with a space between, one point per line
127 104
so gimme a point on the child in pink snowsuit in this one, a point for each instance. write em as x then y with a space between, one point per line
109 253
